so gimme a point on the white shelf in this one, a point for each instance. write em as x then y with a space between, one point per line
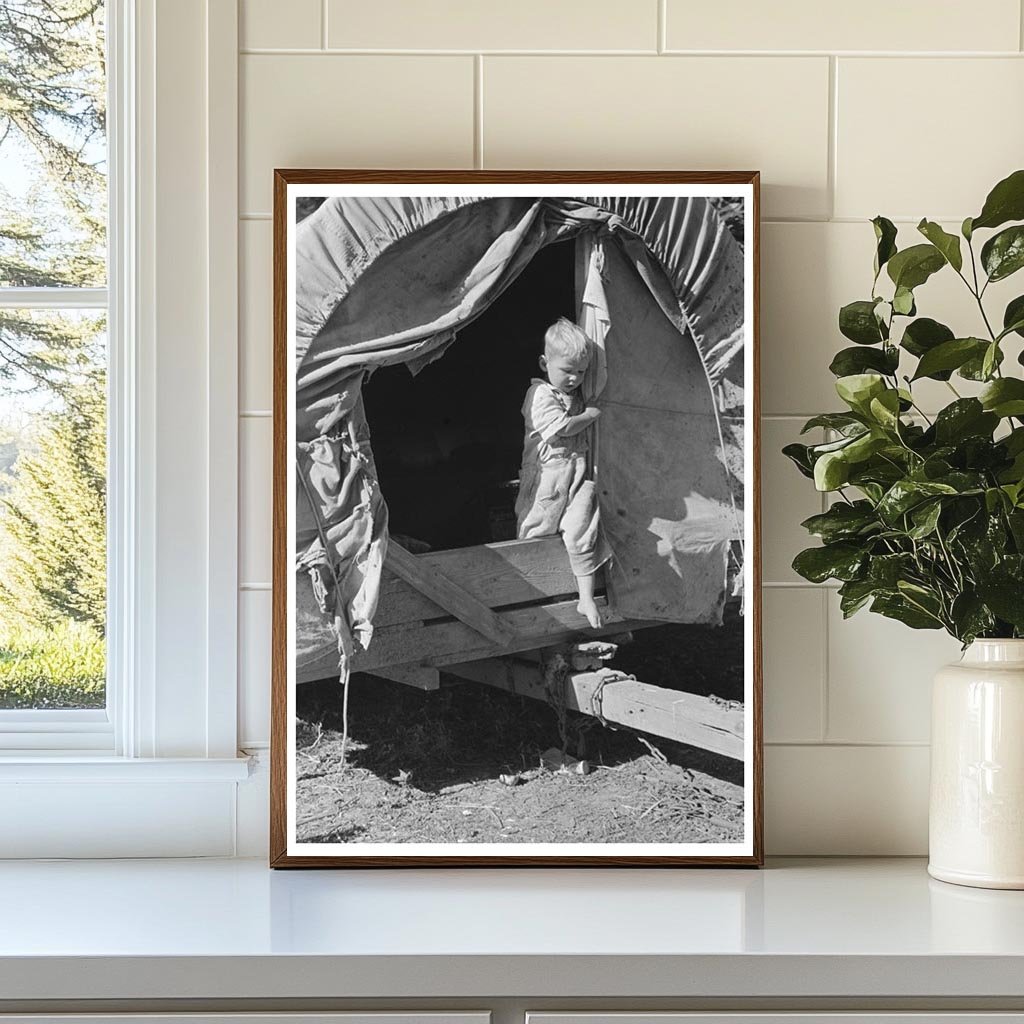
222 929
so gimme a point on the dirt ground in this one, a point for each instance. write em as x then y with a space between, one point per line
429 767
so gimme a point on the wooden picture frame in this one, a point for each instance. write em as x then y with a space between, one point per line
433 607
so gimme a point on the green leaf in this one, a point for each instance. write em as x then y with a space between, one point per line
1013 317
964 481
858 389
912 267
865 446
903 302
1014 441
1003 254
990 360
965 229
872 491
831 471
970 617
799 455
947 244
1005 202
925 334
842 521
906 494
899 608
841 421
1006 599
887 570
974 368
966 417
857 321
840 561
885 409
854 595
1004 397
995 499
850 361
949 356
925 518
885 237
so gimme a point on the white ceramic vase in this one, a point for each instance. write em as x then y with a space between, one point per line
976 816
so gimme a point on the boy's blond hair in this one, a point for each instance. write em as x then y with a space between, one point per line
564 338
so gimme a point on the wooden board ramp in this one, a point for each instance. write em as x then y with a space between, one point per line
446 607
671 714
506 573
430 580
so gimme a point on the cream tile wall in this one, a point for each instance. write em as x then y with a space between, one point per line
906 109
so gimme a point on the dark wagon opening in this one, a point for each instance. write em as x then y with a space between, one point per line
448 441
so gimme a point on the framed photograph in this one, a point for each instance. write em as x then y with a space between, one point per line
516 606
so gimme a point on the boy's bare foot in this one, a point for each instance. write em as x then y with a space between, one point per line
587 607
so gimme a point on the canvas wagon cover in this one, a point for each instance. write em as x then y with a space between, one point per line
387 280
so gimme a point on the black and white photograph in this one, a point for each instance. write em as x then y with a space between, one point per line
516 565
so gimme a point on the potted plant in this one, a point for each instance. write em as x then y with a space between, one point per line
926 521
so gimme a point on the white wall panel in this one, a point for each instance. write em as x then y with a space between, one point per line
963 130
261 25
255 512
846 800
255 326
874 25
328 110
794 635
471 25
683 113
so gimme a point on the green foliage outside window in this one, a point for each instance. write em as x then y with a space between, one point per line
52 365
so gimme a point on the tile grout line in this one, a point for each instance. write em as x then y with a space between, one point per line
826 690
831 171
824 715
851 744
259 51
478 111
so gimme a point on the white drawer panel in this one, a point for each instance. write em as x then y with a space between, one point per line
788 1017
360 1017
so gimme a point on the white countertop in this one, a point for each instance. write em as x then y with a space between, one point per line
235 929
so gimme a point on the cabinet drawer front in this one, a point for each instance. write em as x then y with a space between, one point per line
785 1017
356 1017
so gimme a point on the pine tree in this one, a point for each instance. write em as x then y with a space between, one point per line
53 122
53 234
53 520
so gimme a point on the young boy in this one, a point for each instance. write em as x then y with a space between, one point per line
554 494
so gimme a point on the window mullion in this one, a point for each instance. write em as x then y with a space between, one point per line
53 298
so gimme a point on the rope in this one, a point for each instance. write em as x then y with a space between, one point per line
597 697
343 673
554 673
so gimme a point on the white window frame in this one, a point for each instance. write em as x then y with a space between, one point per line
171 718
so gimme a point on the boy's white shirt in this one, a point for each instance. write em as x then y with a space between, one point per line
546 411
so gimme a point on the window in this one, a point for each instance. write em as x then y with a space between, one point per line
53 369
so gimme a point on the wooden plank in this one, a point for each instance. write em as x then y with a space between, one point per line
509 572
671 714
440 588
444 643
423 677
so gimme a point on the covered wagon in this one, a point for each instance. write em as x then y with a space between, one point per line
428 283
